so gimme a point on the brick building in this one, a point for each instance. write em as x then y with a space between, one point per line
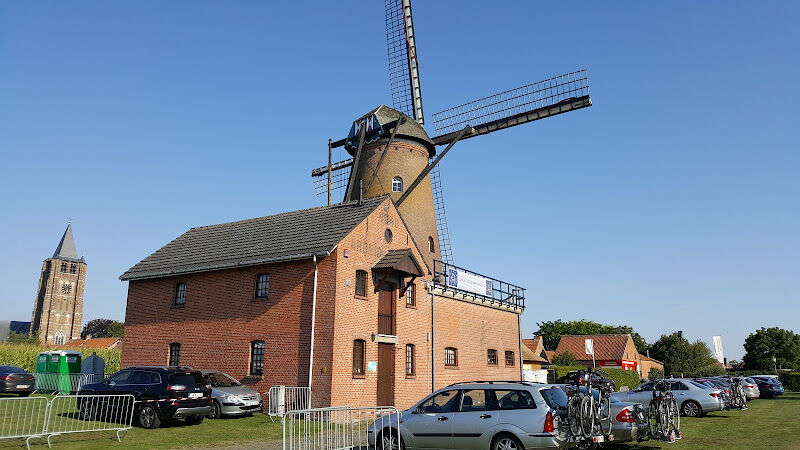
616 351
58 310
351 298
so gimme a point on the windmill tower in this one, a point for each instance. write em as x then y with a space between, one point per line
389 145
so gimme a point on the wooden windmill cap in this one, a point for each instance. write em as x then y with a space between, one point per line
379 123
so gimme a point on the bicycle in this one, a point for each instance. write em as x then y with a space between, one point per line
738 399
588 416
663 413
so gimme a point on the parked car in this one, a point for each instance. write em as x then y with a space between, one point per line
720 384
230 397
693 399
161 393
628 420
14 380
477 415
750 388
768 387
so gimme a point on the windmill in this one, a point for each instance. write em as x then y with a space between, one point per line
371 136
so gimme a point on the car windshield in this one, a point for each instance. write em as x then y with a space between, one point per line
219 379
554 397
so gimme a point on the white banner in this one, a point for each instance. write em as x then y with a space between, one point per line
718 348
589 346
469 282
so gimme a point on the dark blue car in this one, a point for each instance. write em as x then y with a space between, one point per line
768 386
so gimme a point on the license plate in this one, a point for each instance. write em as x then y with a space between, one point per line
251 403
195 394
23 386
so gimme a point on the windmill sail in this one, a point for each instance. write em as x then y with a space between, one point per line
535 101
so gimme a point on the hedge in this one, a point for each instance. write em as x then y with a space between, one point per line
620 377
24 355
791 381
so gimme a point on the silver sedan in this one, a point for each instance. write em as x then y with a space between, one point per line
693 399
229 396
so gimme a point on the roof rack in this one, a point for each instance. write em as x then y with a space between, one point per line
529 383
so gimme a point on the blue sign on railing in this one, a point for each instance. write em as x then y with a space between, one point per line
466 281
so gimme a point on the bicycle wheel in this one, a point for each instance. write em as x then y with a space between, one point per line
573 415
675 414
664 418
652 420
587 417
604 415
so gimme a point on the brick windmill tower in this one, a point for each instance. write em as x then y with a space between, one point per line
393 154
58 310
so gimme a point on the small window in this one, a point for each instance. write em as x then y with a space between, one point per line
359 346
388 235
361 283
174 354
63 267
397 184
59 337
509 358
180 293
450 357
411 369
262 285
73 269
257 358
443 402
411 295
431 247
491 357
473 400
514 399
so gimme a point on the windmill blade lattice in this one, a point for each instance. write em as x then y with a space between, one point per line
403 63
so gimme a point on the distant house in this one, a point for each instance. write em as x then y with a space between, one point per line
614 351
648 363
93 343
534 356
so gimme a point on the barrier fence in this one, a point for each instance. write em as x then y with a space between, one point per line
283 399
38 417
342 428
65 383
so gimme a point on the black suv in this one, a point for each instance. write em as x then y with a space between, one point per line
161 393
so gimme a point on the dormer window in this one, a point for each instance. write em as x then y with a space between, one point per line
397 184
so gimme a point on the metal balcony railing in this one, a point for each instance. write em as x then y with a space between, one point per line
451 278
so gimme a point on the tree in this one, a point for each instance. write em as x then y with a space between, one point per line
655 374
22 338
102 328
565 359
552 331
760 347
683 358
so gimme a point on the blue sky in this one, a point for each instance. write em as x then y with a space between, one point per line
671 204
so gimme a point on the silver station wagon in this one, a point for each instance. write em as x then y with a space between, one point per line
477 415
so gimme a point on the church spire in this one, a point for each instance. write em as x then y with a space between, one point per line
66 248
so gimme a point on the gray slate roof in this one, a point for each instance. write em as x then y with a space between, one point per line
66 247
282 237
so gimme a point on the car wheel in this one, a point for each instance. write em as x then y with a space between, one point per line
148 417
194 420
506 442
692 409
387 440
216 411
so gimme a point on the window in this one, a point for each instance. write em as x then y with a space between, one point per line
388 235
450 356
491 357
359 346
443 402
411 368
473 400
59 339
509 358
411 295
361 283
397 184
514 399
430 245
256 357
72 268
63 267
180 293
262 285
174 354
122 377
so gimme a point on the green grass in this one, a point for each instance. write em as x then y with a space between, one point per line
768 423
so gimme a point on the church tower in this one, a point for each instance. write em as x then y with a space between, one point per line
58 311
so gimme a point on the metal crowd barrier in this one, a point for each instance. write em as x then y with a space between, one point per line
64 383
283 399
343 427
38 417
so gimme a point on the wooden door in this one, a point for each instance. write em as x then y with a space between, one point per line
385 375
386 308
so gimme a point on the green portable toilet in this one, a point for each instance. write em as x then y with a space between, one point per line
64 363
44 382
41 362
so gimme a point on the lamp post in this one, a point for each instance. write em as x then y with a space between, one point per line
775 364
